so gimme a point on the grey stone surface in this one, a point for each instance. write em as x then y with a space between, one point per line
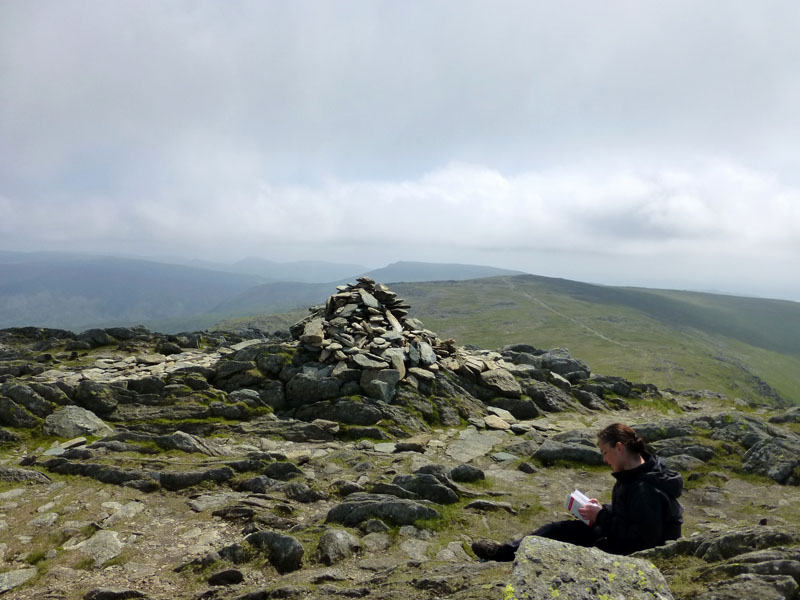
73 421
27 397
549 398
187 443
97 397
113 594
14 415
501 382
427 486
17 475
12 579
306 389
775 458
336 545
283 551
750 585
546 568
362 507
467 473
551 451
495 422
471 444
102 546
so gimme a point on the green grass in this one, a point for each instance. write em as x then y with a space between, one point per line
747 348
677 340
682 574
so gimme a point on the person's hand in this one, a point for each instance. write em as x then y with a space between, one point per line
589 512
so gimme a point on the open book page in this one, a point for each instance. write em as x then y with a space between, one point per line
575 501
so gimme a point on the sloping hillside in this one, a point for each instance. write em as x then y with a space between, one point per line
744 347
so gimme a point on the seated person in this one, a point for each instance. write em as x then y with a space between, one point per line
644 510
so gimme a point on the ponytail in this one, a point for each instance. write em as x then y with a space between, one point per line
621 433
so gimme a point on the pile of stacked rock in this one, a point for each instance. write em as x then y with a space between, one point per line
366 326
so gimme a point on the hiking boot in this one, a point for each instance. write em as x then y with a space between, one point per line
491 550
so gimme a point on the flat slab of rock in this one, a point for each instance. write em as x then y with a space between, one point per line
73 421
11 579
472 443
365 362
102 546
359 507
17 475
495 422
501 382
546 568
551 451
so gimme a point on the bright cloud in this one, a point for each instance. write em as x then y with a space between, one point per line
641 138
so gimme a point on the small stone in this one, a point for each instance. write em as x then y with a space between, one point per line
504 456
502 413
422 374
467 474
366 363
11 579
495 422
112 594
228 577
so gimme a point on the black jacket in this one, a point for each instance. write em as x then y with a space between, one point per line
644 510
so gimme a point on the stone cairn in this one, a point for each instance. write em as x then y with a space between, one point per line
366 326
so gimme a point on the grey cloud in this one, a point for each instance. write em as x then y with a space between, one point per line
581 127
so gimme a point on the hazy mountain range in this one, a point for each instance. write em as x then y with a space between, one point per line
76 291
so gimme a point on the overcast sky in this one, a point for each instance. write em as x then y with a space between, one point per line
650 143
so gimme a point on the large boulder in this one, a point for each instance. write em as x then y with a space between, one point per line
283 551
99 398
74 421
749 585
11 579
664 430
351 412
13 415
551 451
305 388
775 458
549 398
336 545
380 383
546 568
25 396
51 393
521 408
426 485
501 382
360 507
560 361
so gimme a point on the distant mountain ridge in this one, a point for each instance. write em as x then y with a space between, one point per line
304 271
78 291
286 296
420 271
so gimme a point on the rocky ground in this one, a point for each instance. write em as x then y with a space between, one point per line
359 456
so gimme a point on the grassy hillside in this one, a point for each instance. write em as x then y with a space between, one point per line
743 347
746 348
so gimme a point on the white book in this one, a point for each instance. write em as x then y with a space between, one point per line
575 501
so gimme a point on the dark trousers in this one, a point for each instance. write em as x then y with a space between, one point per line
571 531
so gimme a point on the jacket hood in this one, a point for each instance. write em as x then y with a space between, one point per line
657 473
